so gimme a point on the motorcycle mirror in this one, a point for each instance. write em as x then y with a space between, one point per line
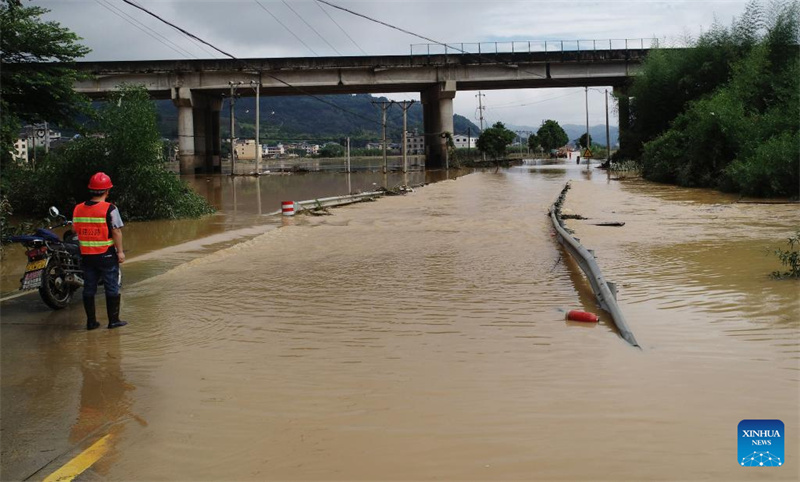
54 212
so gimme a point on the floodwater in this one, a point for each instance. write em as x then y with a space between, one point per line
423 337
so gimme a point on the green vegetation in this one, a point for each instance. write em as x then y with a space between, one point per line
551 136
331 150
581 141
723 114
41 93
790 258
494 141
533 142
128 148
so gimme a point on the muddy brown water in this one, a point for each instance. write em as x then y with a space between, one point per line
423 337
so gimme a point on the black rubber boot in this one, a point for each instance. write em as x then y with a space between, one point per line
112 306
91 318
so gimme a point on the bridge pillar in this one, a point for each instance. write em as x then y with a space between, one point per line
437 112
624 109
182 98
206 111
198 131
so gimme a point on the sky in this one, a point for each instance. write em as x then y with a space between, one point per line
296 28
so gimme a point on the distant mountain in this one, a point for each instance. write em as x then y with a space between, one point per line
574 131
305 118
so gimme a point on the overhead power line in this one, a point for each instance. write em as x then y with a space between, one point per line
286 28
514 105
452 47
188 34
340 28
310 26
144 28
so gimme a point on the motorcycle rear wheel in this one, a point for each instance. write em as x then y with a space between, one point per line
55 292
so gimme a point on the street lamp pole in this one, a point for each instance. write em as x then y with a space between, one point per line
258 119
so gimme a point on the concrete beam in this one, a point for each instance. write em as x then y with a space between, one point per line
339 77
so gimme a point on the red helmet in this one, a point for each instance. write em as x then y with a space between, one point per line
100 182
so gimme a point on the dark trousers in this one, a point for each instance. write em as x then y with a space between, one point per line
97 267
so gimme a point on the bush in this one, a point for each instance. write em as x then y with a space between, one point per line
772 170
724 114
789 258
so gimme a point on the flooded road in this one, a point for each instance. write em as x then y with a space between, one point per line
423 337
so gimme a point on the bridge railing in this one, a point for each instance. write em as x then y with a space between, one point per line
549 48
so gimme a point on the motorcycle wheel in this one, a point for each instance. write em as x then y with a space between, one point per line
55 292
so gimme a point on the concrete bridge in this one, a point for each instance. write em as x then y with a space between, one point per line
197 86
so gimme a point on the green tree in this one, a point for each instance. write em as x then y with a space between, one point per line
581 141
36 82
533 142
129 149
331 150
551 135
495 140
739 134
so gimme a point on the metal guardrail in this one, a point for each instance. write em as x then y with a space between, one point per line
329 202
605 292
533 46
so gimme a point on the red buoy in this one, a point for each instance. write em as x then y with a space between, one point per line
576 315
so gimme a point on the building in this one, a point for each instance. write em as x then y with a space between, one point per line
463 142
20 151
41 137
415 144
245 149
274 151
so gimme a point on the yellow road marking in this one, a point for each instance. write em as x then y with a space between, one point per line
81 462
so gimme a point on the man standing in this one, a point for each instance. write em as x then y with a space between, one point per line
99 228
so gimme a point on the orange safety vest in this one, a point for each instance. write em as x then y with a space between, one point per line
92 228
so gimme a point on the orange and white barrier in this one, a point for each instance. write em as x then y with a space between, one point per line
287 208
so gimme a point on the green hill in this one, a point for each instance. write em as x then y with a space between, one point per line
289 118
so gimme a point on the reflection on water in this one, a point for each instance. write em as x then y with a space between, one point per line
423 336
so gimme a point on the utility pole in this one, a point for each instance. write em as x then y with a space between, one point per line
347 158
233 147
33 145
588 142
405 105
481 108
469 143
608 137
349 186
258 119
46 138
385 104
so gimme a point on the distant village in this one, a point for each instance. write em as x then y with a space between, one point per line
39 137
245 149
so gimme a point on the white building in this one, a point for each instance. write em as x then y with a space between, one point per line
416 143
464 142
20 151
274 151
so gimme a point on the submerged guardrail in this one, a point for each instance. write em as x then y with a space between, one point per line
605 291
329 202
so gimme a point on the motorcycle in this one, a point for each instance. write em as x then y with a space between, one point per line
54 264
